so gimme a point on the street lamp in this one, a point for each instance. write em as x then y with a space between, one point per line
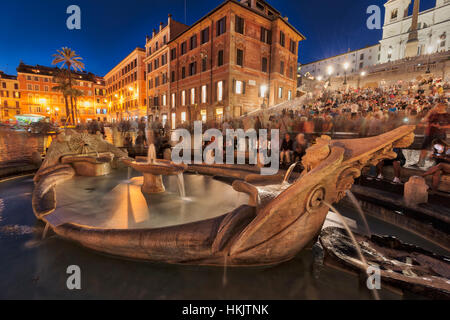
345 72
330 72
430 51
362 74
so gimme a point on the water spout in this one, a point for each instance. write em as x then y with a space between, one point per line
151 156
355 243
360 211
289 172
181 187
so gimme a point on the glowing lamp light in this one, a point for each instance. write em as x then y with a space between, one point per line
116 95
346 65
363 74
319 78
56 109
131 89
430 49
87 104
330 70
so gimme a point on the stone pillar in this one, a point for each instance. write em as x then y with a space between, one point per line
416 191
413 39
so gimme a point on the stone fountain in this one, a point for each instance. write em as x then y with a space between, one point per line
277 223
154 169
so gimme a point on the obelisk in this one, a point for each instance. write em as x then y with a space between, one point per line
412 44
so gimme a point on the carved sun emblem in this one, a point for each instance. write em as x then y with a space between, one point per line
82 143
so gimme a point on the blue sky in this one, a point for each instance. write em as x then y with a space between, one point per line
32 31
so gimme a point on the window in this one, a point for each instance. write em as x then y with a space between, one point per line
193 42
239 25
239 87
164 100
280 92
157 81
204 93
172 78
36 87
46 88
183 48
173 54
204 64
293 47
183 72
289 95
204 35
164 59
220 91
183 117
221 26
183 97
164 39
174 99
394 14
192 68
361 57
156 63
291 72
282 67
264 64
193 96
266 35
220 58
361 65
240 57
30 87
174 123
282 39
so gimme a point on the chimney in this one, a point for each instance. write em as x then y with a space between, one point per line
169 20
147 37
160 26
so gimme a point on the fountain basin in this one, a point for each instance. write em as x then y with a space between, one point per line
90 165
153 172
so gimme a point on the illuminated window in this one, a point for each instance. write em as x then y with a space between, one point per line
220 91
183 97
164 100
183 117
174 123
239 87
204 94
174 100
193 96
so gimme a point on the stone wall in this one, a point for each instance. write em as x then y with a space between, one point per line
17 147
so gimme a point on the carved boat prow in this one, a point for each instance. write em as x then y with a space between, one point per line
278 222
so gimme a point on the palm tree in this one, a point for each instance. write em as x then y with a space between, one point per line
70 60
76 94
63 87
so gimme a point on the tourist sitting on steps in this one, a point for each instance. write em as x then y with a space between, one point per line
286 150
441 155
397 163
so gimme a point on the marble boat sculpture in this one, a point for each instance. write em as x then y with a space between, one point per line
278 222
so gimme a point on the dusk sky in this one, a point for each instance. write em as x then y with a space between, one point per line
32 30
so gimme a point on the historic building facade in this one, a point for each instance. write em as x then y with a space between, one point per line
356 61
433 28
158 68
423 32
9 97
37 95
125 87
237 58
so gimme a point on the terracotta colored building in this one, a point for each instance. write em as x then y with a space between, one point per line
158 68
125 87
9 97
38 97
239 57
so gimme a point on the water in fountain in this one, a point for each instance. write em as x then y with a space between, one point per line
289 172
355 243
151 156
181 187
360 211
